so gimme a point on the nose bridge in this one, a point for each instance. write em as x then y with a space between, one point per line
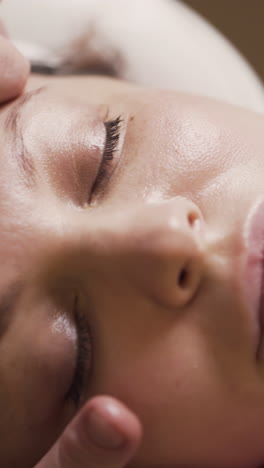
159 249
161 228
156 249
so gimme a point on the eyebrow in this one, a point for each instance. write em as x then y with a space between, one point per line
19 151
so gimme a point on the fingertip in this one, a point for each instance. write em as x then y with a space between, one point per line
104 433
121 426
14 69
3 31
17 73
23 71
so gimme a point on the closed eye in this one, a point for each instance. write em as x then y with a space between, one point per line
104 173
84 358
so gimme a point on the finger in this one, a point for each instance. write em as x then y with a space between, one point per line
105 434
14 71
3 31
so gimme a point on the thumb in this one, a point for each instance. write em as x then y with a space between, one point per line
105 434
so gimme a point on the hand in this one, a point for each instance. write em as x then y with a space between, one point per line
104 434
14 69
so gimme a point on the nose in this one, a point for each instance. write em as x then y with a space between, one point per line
159 249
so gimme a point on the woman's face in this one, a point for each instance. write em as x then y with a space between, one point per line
131 265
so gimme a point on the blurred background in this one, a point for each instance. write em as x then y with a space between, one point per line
242 21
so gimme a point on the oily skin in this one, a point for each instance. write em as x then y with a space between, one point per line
185 176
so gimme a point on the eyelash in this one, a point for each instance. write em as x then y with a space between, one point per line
83 367
112 138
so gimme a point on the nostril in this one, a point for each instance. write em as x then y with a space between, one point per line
183 278
194 220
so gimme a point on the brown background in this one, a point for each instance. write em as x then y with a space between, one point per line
242 21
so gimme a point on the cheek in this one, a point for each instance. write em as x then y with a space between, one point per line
36 369
40 361
168 381
170 378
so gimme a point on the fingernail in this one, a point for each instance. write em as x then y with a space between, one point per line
102 432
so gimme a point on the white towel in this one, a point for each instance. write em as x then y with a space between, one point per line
158 43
